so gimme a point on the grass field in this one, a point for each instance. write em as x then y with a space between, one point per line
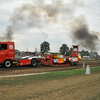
62 85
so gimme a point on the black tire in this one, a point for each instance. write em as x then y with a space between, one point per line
75 63
71 63
34 62
7 63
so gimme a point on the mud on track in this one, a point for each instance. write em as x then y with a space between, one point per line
42 68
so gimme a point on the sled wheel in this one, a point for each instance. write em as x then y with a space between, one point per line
75 63
34 62
71 63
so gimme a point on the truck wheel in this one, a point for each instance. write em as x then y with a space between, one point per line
34 62
7 63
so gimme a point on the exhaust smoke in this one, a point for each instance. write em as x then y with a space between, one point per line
8 35
38 14
81 34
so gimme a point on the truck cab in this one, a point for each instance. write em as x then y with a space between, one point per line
7 53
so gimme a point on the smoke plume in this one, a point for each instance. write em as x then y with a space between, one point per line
38 14
8 35
81 34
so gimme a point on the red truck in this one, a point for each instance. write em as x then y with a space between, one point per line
7 57
7 53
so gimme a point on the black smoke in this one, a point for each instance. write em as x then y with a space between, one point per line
38 14
81 34
8 35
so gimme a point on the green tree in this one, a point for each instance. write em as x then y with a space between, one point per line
45 47
17 51
97 55
64 49
83 53
70 51
94 54
87 53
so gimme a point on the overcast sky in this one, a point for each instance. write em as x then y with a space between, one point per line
32 22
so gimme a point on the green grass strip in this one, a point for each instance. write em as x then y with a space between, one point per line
22 80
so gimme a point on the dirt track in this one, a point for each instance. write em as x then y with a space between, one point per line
81 87
41 68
